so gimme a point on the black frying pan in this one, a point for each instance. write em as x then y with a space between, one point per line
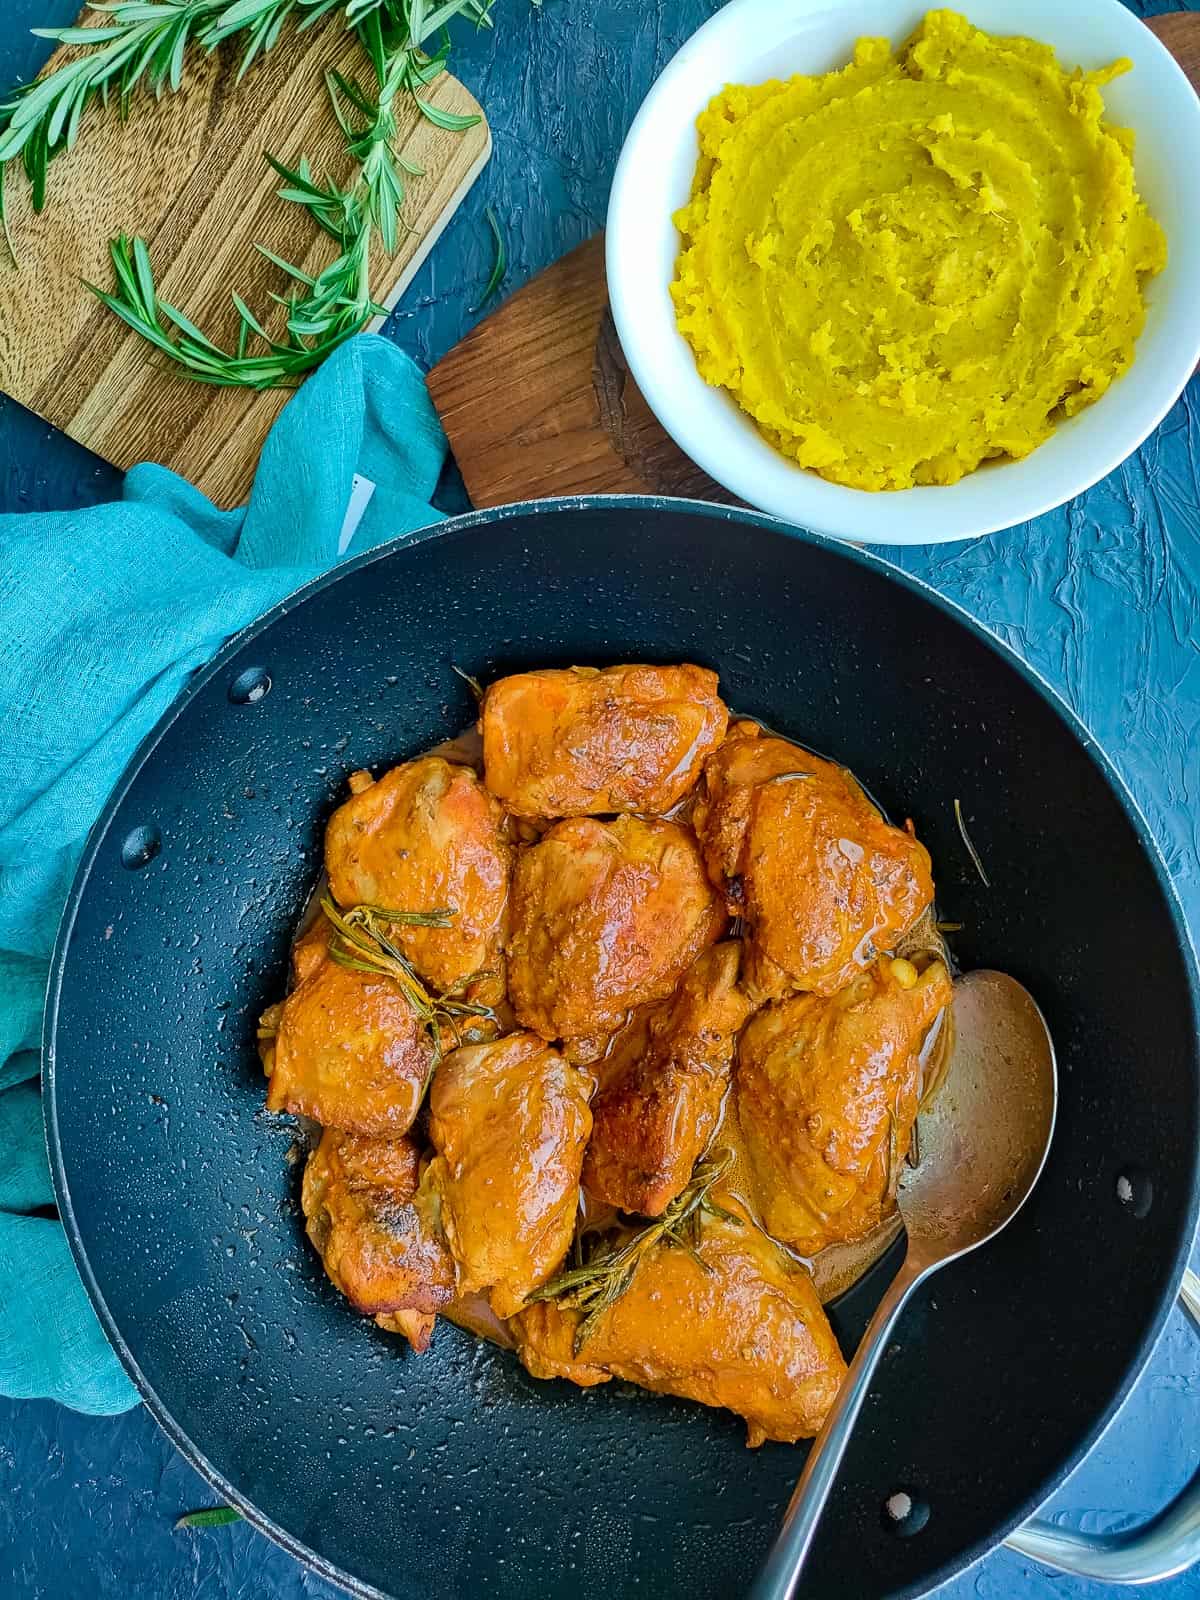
453 1472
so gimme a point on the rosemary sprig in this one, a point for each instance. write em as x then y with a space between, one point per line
367 915
145 42
611 1264
361 941
326 309
137 302
141 42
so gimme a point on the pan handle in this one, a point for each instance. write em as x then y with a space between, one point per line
1167 1544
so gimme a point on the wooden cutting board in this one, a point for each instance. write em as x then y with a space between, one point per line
537 399
187 174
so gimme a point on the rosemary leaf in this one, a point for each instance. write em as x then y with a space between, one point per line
4 228
316 9
967 840
78 35
258 15
452 121
210 1517
120 251
285 266
250 323
143 271
184 324
499 262
476 11
174 72
352 93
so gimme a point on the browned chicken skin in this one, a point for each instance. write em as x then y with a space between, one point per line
348 1051
568 743
367 1217
823 882
827 1090
663 1085
509 1121
428 836
745 1330
605 916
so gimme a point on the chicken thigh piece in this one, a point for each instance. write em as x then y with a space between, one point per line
347 1049
827 1091
509 1121
368 1217
584 740
606 916
741 1327
823 882
664 1081
427 836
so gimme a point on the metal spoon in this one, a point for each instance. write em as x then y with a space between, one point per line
984 1141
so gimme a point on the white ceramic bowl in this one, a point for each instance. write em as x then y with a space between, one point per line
752 40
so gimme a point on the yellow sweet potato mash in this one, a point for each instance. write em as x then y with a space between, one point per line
920 262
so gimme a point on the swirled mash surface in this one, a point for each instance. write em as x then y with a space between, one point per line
917 263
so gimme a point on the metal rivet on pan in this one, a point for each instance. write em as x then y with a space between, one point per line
140 847
250 686
1135 1191
904 1513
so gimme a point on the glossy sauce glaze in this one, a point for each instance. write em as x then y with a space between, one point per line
835 1268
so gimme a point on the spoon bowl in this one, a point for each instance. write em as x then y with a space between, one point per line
985 1135
983 1139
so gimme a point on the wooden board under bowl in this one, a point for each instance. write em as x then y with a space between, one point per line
186 172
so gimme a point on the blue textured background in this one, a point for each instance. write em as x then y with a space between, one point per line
1101 596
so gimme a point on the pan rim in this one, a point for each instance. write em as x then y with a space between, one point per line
465 524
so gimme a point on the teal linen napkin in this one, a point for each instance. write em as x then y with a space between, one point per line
104 615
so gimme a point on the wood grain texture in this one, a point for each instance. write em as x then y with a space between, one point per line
1180 32
187 173
537 399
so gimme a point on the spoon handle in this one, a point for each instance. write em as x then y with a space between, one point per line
781 1571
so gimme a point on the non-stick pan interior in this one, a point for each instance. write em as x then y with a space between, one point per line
454 1473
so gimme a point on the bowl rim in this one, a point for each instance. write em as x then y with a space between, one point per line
924 514
453 527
